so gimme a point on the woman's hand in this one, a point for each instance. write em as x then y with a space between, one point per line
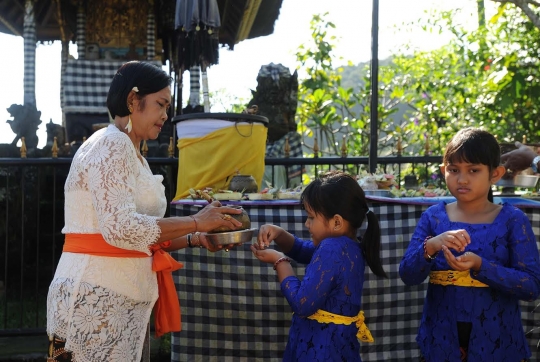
466 261
214 215
266 255
267 233
453 239
518 160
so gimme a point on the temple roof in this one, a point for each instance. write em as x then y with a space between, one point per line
240 19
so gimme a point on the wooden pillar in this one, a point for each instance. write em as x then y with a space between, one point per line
29 35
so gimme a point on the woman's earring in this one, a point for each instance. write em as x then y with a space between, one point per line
129 125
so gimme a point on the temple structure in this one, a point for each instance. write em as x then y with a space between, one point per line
110 32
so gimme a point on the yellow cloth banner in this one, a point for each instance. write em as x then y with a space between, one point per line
363 334
454 277
212 160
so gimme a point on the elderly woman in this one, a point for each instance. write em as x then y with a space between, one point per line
114 266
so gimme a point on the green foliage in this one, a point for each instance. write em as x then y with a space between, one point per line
486 78
228 103
325 108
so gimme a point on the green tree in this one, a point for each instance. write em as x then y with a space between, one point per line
325 109
484 78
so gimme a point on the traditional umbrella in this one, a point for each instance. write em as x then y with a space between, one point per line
197 23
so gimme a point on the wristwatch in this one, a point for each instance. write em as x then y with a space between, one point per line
534 164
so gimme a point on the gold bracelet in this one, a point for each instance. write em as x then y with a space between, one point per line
197 236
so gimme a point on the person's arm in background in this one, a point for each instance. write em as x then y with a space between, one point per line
520 159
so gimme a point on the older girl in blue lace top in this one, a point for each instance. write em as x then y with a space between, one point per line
327 320
480 258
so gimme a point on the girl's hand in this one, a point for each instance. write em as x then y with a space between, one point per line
267 233
466 261
453 239
266 255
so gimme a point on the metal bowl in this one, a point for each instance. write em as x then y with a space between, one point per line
526 181
231 237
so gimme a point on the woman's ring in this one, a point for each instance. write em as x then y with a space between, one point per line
225 216
226 250
463 236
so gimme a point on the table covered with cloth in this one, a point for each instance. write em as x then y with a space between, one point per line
233 308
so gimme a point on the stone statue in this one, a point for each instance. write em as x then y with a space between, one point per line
25 123
64 149
277 99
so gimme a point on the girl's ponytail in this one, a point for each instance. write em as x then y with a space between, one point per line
371 244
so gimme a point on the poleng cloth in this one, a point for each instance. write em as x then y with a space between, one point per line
213 159
167 308
363 334
454 277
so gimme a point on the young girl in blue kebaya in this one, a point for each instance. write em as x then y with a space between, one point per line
327 320
480 258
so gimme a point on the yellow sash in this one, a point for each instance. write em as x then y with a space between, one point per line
363 334
212 160
454 277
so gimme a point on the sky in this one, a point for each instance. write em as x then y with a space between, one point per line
237 70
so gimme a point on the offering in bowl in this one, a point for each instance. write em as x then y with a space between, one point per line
231 237
243 218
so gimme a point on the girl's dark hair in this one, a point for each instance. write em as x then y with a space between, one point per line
473 145
148 78
336 192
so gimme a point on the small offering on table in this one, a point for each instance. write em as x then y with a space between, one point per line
210 194
377 181
265 194
420 192
290 194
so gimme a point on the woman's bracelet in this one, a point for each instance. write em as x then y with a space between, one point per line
193 217
189 236
197 240
430 257
280 260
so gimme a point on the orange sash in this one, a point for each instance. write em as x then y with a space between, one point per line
167 308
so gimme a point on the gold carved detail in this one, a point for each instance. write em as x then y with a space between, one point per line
117 23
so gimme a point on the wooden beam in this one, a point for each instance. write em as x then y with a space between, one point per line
48 14
9 26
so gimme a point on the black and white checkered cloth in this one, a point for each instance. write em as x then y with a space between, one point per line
233 309
194 85
277 150
81 31
87 83
150 34
29 35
